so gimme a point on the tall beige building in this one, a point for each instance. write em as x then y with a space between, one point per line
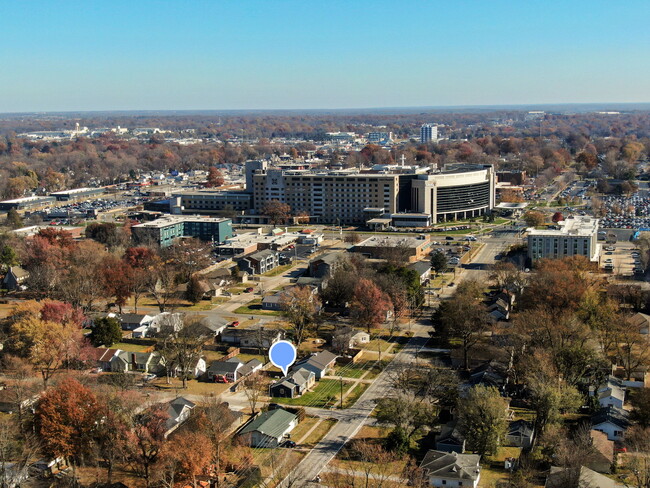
331 196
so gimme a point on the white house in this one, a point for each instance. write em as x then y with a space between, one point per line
451 469
612 421
359 339
179 410
611 396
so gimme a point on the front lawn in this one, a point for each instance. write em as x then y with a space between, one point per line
352 398
131 347
373 368
254 307
279 270
326 394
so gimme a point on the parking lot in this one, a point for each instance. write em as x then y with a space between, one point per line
624 212
620 258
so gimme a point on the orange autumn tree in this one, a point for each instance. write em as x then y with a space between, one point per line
370 304
66 419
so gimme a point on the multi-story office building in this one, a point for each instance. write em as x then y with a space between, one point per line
165 230
453 195
328 196
208 202
380 137
576 236
428 133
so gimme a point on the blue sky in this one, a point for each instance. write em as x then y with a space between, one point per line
245 54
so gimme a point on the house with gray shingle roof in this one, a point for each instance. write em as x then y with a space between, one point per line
144 362
179 410
320 363
520 434
269 428
451 468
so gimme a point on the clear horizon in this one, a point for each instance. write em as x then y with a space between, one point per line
290 55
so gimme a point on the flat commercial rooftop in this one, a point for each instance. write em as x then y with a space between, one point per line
577 226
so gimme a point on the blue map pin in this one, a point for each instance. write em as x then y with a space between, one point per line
283 354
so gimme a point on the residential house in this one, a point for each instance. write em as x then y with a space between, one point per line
273 302
197 369
206 288
250 367
293 385
324 266
131 321
612 421
640 322
451 469
257 337
15 278
259 262
581 477
491 373
611 396
423 269
225 371
359 339
144 362
211 327
166 323
319 283
520 434
179 410
450 439
269 429
602 456
100 357
320 363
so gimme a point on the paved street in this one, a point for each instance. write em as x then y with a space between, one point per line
351 420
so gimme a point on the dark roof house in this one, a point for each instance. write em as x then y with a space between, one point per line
450 439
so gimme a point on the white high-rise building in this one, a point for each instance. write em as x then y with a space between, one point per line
428 133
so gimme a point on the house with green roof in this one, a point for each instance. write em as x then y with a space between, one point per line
270 428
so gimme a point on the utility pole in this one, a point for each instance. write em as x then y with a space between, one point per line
341 378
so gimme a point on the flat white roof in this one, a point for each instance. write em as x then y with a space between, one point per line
24 199
75 190
392 241
577 226
172 219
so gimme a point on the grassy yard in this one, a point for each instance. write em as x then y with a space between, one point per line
131 347
254 307
303 427
247 357
276 463
326 394
279 270
357 370
318 433
212 356
194 387
493 472
376 344
355 394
